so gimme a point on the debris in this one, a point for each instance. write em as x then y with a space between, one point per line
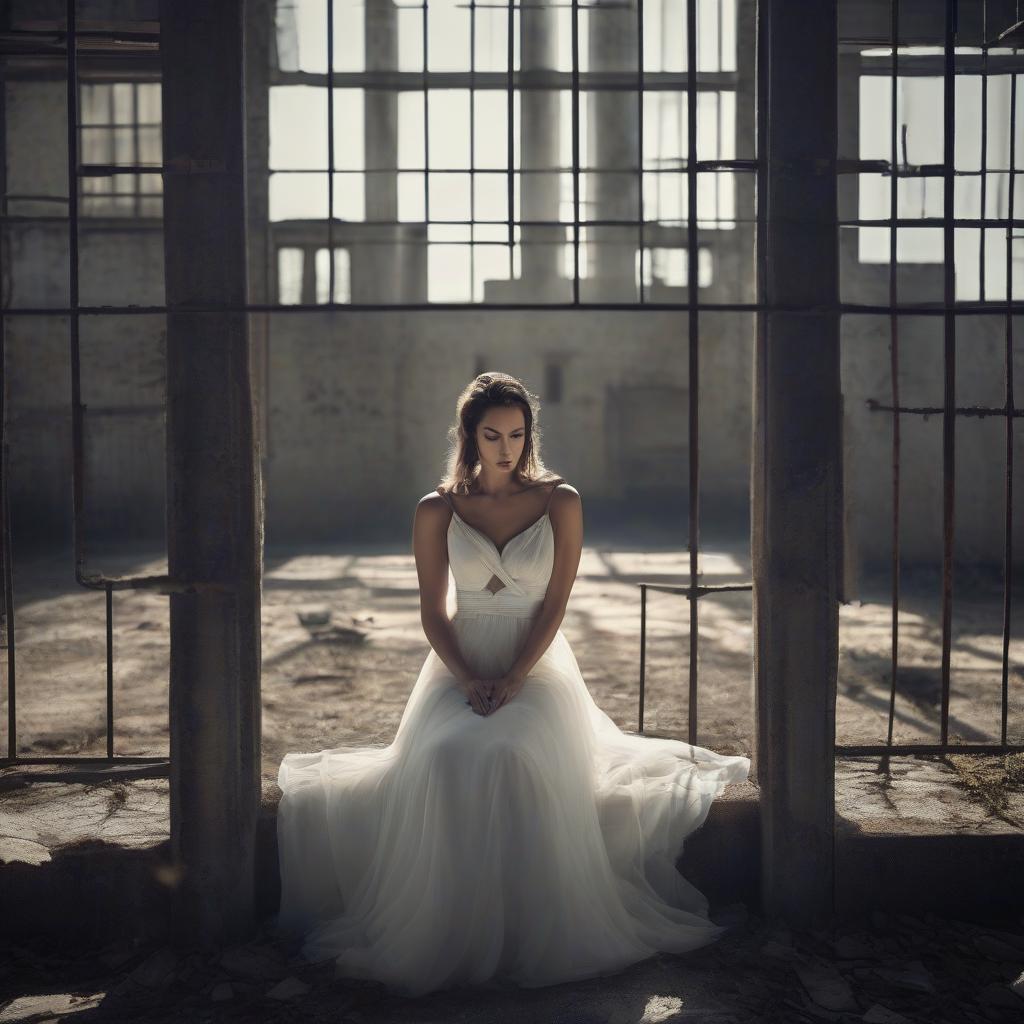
878 1014
157 969
997 994
222 992
914 977
827 987
290 988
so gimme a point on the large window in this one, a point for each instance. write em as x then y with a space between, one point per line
120 125
478 147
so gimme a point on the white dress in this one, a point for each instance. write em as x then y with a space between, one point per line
533 846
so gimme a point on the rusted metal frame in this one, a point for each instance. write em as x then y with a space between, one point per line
121 759
110 670
693 380
931 65
6 553
702 165
894 376
510 131
77 439
984 145
976 411
575 153
137 195
640 142
668 588
534 78
643 656
700 590
424 84
949 359
910 749
330 152
1010 413
6 547
472 147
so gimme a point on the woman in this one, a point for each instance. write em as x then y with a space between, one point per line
511 831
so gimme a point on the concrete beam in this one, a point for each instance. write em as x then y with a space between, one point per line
214 523
796 535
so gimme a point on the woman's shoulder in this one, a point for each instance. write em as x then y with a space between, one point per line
435 503
563 494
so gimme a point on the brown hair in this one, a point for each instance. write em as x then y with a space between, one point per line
482 393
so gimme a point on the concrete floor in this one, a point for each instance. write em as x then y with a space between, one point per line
893 970
342 645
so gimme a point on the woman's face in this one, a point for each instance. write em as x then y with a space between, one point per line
500 438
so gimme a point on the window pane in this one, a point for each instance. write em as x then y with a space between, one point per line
298 128
298 196
449 196
349 196
94 101
410 38
302 35
348 129
410 129
448 273
490 116
448 35
289 275
349 45
147 96
411 205
449 128
124 107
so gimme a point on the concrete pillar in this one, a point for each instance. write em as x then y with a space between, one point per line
796 535
214 523
259 26
613 141
377 258
542 246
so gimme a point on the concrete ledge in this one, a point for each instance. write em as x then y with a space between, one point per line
86 879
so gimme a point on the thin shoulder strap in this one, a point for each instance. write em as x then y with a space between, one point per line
551 494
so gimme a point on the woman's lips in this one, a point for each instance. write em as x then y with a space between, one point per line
506 462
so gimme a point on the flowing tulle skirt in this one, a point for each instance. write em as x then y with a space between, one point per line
536 844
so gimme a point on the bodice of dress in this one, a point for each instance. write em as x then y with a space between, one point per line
512 582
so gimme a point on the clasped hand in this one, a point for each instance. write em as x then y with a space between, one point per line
485 696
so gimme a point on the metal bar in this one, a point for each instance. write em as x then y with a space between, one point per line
425 86
894 380
8 567
330 151
77 410
1008 523
110 670
643 655
984 143
701 589
961 310
693 341
975 411
126 759
575 152
472 148
883 750
539 78
510 129
640 139
136 198
949 359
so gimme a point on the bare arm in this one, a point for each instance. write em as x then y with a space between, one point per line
430 548
567 521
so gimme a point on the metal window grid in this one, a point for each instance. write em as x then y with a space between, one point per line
948 309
